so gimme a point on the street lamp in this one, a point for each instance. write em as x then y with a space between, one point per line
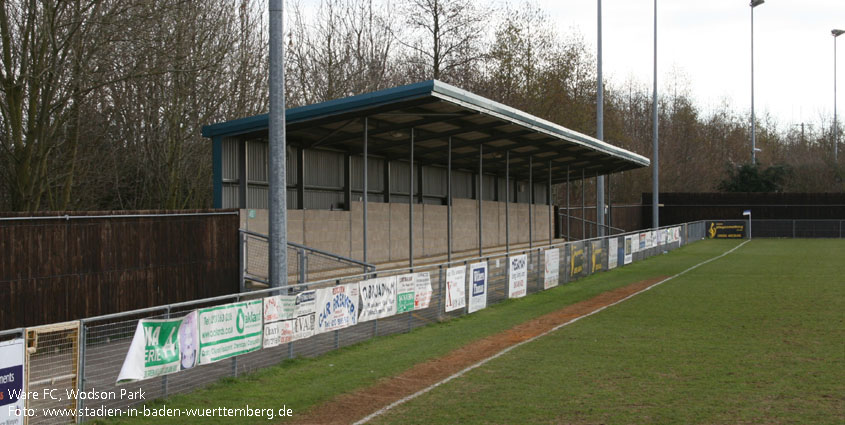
836 33
754 4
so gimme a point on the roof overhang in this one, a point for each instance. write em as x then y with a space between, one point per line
437 111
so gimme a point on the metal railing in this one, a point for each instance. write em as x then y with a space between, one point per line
104 340
304 263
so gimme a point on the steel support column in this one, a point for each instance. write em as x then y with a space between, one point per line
583 207
366 123
278 262
530 202
480 195
549 204
449 201
411 206
568 238
507 201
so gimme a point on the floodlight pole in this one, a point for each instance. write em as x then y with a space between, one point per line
655 167
480 194
753 4
366 177
276 161
600 132
411 206
507 201
836 33
448 201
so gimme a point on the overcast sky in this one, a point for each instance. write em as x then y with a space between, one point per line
709 42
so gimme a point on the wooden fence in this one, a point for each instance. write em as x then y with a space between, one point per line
65 267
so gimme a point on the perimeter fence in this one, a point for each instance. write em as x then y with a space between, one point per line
101 344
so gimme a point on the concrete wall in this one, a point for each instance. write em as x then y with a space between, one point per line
341 232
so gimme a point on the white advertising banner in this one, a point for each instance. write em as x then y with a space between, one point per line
405 287
277 333
612 253
477 286
160 347
378 298
552 274
12 381
422 290
649 239
288 318
629 249
230 330
337 308
518 276
278 307
456 287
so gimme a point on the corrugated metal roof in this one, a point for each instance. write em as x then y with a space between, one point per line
437 111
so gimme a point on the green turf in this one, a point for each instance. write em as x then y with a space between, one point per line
756 337
303 383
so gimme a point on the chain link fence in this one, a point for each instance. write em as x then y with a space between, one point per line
104 341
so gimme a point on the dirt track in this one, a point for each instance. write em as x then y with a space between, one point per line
349 407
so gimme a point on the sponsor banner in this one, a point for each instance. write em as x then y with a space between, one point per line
596 256
577 259
649 239
337 308
456 287
160 347
552 274
642 242
629 249
277 333
518 276
378 298
405 286
305 303
422 290
477 286
663 236
726 229
678 234
11 381
612 253
230 330
278 307
294 318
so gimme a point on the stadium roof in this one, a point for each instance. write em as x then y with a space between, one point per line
437 111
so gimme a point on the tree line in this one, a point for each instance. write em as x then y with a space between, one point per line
102 101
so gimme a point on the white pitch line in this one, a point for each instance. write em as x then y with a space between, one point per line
384 410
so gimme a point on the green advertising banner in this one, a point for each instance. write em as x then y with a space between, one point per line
230 330
160 347
405 293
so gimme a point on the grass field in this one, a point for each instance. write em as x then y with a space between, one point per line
755 337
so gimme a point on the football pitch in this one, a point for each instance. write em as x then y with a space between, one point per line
755 336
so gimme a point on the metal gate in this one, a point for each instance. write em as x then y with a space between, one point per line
52 359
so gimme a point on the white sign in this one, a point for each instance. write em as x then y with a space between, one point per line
230 330
456 287
552 257
422 290
477 286
649 239
337 308
11 381
277 333
518 276
612 253
294 318
378 298
630 243
278 307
